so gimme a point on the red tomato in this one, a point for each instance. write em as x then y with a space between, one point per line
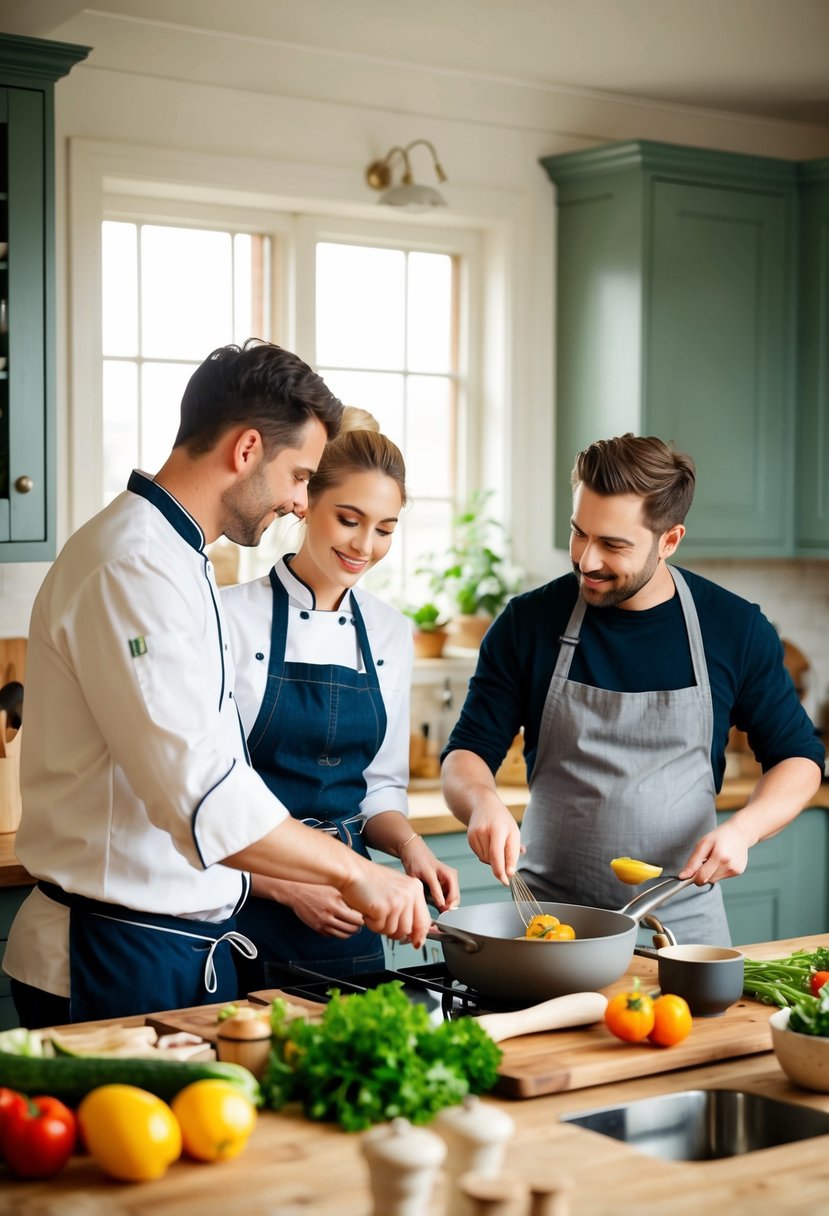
40 1139
12 1104
817 980
672 1021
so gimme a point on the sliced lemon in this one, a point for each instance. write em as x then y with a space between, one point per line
633 872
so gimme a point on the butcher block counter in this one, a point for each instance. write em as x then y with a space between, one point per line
292 1166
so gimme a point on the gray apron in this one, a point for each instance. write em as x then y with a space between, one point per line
624 774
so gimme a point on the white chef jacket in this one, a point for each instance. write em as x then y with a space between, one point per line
319 637
134 770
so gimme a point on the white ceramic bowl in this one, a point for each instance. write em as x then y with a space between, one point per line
804 1058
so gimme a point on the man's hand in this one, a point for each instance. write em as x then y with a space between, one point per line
494 837
390 903
720 854
323 909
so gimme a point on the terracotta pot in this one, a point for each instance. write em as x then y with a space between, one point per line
429 644
468 631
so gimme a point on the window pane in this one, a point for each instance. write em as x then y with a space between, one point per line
186 292
360 310
120 446
427 529
162 387
430 312
381 393
119 288
429 442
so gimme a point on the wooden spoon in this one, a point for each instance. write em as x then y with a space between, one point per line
575 1009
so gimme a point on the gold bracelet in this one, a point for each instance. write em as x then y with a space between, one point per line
414 836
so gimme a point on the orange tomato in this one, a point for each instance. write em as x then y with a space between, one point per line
672 1021
630 1016
559 933
539 925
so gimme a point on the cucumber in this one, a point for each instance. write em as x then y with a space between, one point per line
71 1078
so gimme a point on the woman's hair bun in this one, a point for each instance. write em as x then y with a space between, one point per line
355 418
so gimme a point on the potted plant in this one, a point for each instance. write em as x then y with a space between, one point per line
473 574
430 632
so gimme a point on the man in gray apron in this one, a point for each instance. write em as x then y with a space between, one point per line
626 676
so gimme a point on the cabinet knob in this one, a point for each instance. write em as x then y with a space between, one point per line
23 485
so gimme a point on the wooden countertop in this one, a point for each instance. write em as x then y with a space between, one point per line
432 817
293 1166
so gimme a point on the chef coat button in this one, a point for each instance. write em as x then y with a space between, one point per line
230 695
380 662
342 620
306 616
259 655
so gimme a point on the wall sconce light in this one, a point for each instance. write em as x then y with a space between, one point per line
407 194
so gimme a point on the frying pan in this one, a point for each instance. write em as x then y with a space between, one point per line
480 946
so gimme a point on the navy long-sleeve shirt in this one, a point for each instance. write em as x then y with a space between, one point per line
635 651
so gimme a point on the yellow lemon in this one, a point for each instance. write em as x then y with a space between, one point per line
628 870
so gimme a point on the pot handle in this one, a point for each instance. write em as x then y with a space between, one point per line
653 897
440 933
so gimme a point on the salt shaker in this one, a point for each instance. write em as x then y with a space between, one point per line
403 1162
550 1197
476 1136
491 1196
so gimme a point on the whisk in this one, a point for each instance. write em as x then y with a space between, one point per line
524 900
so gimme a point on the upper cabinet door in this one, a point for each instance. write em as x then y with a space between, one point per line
812 497
717 358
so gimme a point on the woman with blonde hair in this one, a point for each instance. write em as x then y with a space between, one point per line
323 687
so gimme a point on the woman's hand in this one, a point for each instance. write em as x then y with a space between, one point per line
321 908
440 880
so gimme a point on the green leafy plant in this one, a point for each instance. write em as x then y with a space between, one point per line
427 618
375 1056
473 574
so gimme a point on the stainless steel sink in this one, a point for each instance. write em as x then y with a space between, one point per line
704 1124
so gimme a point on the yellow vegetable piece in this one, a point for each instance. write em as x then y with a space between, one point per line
131 1134
559 933
539 925
216 1119
633 872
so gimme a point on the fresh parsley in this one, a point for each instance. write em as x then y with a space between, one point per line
375 1056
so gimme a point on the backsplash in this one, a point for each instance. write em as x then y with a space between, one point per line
794 595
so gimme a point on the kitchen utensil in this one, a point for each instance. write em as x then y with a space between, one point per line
524 900
709 978
403 1162
484 947
575 1009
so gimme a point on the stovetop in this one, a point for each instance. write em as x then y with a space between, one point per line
428 984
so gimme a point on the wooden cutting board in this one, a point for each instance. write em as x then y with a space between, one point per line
201 1020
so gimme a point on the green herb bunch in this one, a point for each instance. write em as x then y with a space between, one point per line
375 1056
784 981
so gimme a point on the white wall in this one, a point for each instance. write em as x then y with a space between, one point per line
307 148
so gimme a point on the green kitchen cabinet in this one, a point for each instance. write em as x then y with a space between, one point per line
812 456
28 69
676 318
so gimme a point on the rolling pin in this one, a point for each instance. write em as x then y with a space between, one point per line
575 1009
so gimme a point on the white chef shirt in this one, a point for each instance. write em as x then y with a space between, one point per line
319 637
134 770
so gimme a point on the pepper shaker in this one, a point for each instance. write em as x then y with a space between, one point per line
403 1162
476 1136
491 1196
550 1197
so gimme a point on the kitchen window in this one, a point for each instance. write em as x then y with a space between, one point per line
384 320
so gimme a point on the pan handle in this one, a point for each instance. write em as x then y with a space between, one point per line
440 933
653 897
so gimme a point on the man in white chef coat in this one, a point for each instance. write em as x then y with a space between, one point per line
141 813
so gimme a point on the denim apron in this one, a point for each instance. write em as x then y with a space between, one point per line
318 728
624 774
123 962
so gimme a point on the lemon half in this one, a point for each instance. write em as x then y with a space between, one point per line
633 872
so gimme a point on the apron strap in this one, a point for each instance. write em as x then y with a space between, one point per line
239 942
